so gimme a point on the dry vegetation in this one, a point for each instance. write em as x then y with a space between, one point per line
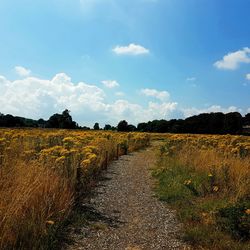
207 178
43 171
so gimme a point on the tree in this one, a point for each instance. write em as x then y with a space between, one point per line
96 126
233 123
122 126
41 123
142 127
246 119
131 128
107 127
54 121
63 120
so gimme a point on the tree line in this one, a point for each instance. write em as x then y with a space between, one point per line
207 123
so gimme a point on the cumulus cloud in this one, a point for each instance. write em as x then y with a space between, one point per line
131 49
21 71
122 109
232 60
214 108
161 95
35 97
248 76
110 83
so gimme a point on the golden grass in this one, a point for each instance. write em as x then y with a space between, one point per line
231 174
207 180
43 171
30 197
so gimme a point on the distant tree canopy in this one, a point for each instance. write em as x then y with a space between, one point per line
246 120
107 127
123 126
96 126
213 123
63 120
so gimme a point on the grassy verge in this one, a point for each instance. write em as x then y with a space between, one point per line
213 216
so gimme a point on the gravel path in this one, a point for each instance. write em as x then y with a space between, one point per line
123 213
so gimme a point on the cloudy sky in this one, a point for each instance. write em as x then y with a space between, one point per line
107 60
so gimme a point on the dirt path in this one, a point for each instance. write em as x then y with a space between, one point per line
123 214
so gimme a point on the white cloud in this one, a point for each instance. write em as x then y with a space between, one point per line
21 71
248 76
135 113
214 108
248 110
131 49
191 79
161 95
232 60
34 97
110 83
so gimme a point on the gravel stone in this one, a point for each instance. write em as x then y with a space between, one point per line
127 215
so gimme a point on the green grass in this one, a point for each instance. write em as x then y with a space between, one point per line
211 220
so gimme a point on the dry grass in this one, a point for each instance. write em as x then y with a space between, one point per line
207 180
230 174
33 202
43 171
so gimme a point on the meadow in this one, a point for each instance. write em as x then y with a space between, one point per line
206 178
43 173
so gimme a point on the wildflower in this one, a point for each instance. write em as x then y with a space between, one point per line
86 162
247 211
60 159
210 175
50 222
92 156
187 182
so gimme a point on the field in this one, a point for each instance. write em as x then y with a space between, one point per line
207 180
42 174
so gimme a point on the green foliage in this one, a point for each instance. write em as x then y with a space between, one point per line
211 221
96 126
236 219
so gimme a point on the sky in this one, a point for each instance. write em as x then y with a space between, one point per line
138 60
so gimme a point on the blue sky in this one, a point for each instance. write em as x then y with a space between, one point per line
139 60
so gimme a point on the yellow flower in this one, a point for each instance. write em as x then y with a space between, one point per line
247 211
85 163
210 175
50 222
60 159
92 156
187 182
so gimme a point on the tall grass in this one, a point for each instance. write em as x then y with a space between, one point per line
229 174
42 174
210 189
34 202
